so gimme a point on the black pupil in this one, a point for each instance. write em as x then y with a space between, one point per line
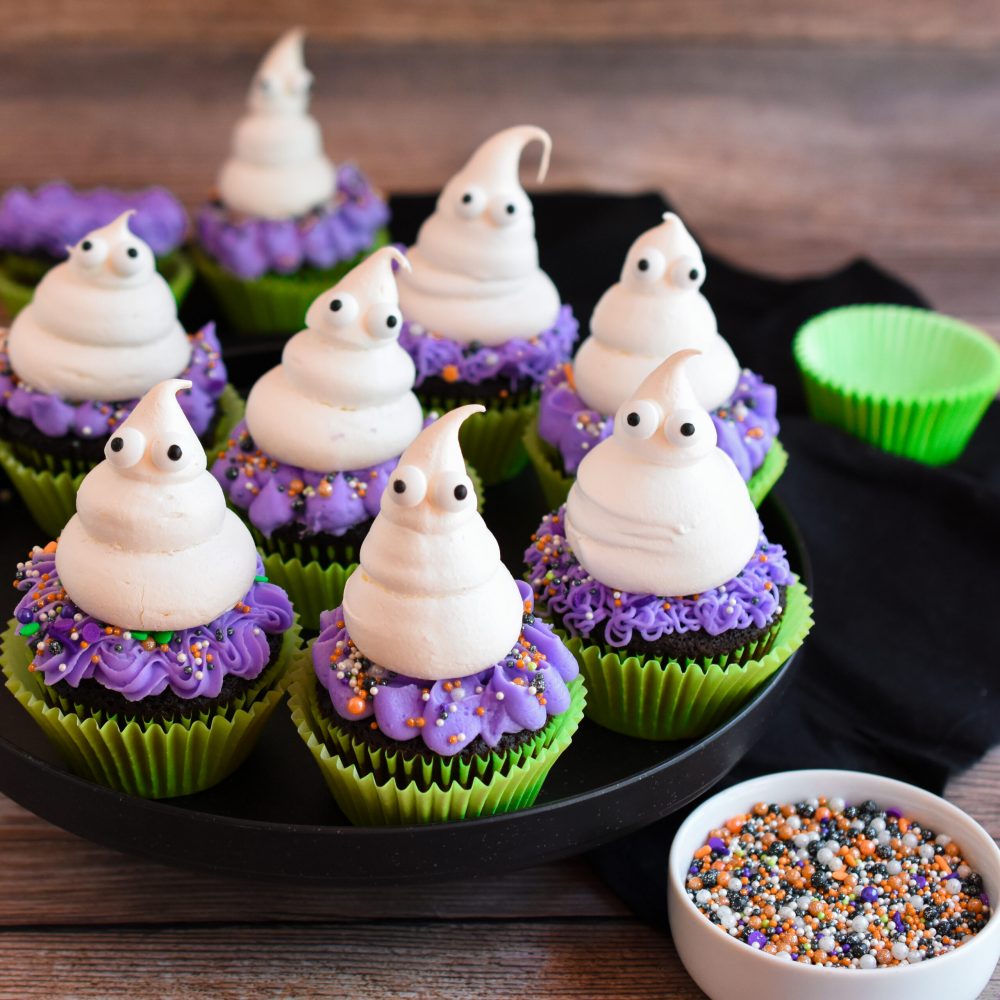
117 444
399 486
693 274
335 305
461 491
511 209
132 252
174 453
86 245
632 419
687 430
391 322
643 264
466 199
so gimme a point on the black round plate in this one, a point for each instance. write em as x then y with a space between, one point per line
275 818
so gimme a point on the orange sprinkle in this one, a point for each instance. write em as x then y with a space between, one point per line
450 373
356 705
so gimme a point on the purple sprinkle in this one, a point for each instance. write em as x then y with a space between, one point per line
756 940
869 894
985 898
898 921
894 813
91 632
920 881
717 844
693 870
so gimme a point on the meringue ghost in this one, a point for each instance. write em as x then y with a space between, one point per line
342 396
475 270
277 168
102 324
152 545
656 508
431 598
655 309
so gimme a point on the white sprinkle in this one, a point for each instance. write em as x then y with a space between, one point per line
182 657
256 631
439 722
458 694
375 690
943 839
964 871
824 856
499 695
926 851
860 923
826 944
900 950
914 956
910 840
836 805
126 635
953 886
702 896
868 961
62 668
86 431
894 867
198 675
426 696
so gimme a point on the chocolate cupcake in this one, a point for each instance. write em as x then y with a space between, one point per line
484 323
658 568
434 692
148 643
285 223
655 309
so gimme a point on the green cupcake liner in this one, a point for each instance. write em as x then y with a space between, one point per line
48 486
156 759
19 276
656 700
909 381
493 441
556 484
374 788
275 303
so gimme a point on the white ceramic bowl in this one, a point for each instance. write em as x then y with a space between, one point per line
727 968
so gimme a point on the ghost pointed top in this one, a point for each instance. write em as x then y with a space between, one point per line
112 255
669 241
497 161
285 55
156 441
436 448
282 79
115 230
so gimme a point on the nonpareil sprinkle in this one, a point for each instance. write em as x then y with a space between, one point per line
844 886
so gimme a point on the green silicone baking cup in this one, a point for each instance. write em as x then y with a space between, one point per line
19 277
909 381
274 303
49 489
653 700
556 484
153 760
378 789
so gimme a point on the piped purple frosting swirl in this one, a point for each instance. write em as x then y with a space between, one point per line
746 423
54 216
54 417
250 247
520 692
587 606
72 646
522 362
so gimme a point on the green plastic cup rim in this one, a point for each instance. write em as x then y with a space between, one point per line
807 343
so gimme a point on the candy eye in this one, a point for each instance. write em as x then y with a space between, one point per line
453 491
168 456
505 210
91 253
384 321
343 309
649 265
687 428
687 273
639 418
128 259
471 202
407 486
126 448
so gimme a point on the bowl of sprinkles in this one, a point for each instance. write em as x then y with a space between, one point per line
827 884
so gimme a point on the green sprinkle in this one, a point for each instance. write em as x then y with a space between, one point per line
162 638
30 629
260 579
141 636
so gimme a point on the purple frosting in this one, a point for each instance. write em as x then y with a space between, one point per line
55 417
250 247
518 360
749 600
55 216
746 423
275 494
520 692
72 646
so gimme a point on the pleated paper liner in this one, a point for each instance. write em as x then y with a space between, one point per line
556 484
492 441
656 700
153 759
387 789
273 303
909 381
19 276
313 575
48 485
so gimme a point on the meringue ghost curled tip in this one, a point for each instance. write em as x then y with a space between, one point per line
506 147
437 446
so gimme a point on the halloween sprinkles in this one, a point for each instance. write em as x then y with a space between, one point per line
844 886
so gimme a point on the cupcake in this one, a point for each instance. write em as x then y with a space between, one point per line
285 223
37 227
434 692
323 431
656 308
101 330
147 642
659 569
483 322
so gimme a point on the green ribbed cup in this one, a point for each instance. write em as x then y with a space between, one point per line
909 381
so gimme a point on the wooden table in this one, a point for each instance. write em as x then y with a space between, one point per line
789 155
